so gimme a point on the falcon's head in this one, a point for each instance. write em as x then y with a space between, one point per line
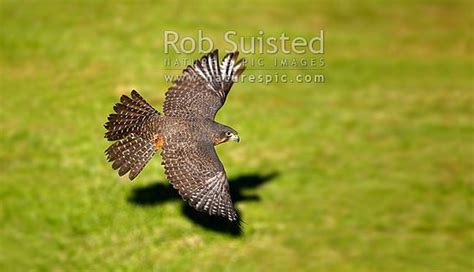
225 134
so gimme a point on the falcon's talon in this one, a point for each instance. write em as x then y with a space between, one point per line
189 158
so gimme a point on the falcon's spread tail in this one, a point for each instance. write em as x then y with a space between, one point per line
130 127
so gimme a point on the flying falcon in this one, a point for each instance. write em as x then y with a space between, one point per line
186 133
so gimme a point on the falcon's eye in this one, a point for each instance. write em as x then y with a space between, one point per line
228 134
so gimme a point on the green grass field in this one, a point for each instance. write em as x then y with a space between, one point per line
370 171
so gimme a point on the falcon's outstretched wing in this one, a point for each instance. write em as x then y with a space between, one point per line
194 169
202 89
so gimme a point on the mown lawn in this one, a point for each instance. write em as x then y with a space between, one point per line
369 171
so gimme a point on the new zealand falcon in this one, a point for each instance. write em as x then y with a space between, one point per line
186 133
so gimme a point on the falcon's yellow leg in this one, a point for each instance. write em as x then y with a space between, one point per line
159 141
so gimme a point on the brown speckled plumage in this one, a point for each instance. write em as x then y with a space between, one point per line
186 134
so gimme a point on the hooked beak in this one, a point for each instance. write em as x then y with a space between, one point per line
234 138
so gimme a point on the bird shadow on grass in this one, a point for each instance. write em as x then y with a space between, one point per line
159 192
